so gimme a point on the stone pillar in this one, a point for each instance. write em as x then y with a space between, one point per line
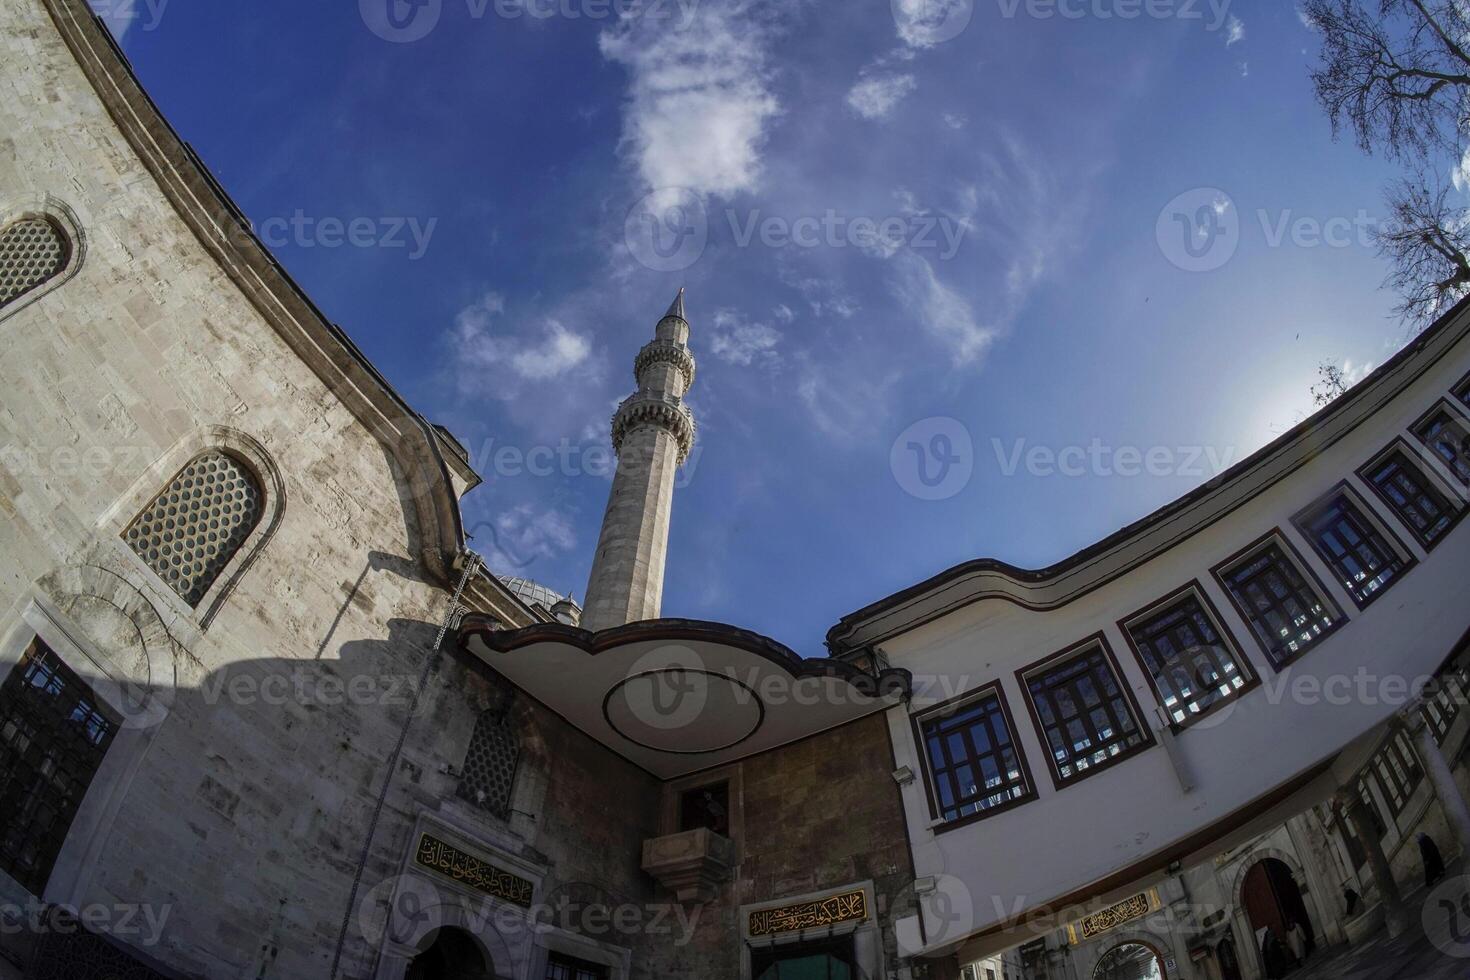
652 433
1394 914
1456 812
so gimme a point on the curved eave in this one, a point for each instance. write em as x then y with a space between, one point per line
224 233
578 674
1126 549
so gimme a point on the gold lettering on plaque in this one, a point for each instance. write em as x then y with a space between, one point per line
1115 915
467 869
808 915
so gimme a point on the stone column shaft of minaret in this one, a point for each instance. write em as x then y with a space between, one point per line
652 433
627 582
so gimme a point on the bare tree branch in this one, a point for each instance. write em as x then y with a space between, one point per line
1426 242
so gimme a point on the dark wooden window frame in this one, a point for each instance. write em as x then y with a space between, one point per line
1303 568
1098 641
1457 411
1461 391
1455 507
577 968
1398 772
25 724
947 708
1243 665
1381 528
840 948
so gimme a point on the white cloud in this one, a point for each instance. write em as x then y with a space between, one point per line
944 313
559 352
925 23
954 120
1353 373
487 353
700 99
1234 31
783 313
877 97
1245 69
1306 19
736 340
516 537
847 409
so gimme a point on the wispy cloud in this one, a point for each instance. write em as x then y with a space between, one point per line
1234 31
944 314
877 97
517 537
537 355
737 340
699 100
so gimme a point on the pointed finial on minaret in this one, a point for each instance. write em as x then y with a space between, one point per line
677 307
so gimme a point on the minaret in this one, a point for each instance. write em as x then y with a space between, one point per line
652 434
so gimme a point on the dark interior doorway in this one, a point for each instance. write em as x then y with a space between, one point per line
1226 956
1273 901
452 956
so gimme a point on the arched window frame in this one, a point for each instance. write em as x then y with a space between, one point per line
61 216
497 719
115 522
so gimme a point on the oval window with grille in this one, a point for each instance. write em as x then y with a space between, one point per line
191 530
33 250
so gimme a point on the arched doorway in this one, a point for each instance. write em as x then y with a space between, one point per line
1273 901
830 960
453 955
1130 961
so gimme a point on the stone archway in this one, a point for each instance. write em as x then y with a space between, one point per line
452 954
1270 898
1131 958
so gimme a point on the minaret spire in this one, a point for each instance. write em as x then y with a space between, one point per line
652 433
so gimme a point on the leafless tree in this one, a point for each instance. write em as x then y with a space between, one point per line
1397 73
1331 382
1427 240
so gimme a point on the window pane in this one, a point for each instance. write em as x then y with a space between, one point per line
1410 495
979 769
1449 438
53 736
1364 562
1286 613
1192 668
1106 729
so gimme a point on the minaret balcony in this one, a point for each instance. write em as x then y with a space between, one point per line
653 408
665 352
692 864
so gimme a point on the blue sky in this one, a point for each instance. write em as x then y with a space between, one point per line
1059 239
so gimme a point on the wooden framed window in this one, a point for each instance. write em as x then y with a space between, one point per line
1447 435
1401 483
1359 554
973 764
1462 391
561 967
1288 610
1087 717
1397 769
54 733
1194 665
1443 706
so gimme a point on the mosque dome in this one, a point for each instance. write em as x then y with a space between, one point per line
532 593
